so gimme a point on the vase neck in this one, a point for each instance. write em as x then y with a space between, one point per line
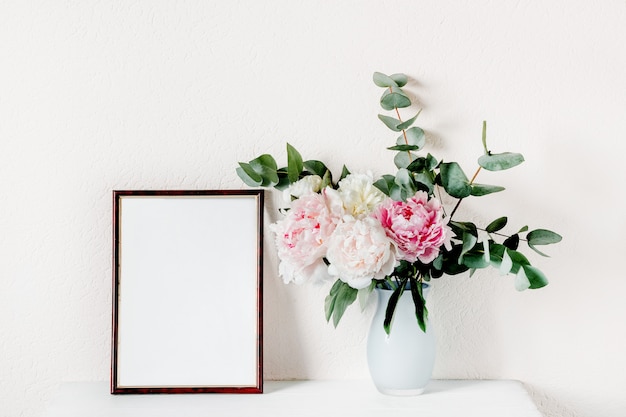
385 292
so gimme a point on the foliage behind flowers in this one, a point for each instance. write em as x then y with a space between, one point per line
390 232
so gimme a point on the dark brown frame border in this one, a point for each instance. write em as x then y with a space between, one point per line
258 386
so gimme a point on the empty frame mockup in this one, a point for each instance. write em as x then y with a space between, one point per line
187 292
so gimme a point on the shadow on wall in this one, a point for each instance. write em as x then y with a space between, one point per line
281 353
467 346
547 405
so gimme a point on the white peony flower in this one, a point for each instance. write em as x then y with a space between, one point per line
359 195
307 185
359 251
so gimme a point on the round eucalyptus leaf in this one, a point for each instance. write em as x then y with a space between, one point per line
412 136
536 278
454 180
403 178
497 224
543 237
521 280
383 80
394 99
482 189
500 161
391 122
406 124
265 167
400 79
248 175
404 159
403 148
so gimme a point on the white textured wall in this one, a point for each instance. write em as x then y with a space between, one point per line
112 94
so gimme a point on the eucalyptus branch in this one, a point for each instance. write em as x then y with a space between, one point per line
501 234
418 180
458 203
406 140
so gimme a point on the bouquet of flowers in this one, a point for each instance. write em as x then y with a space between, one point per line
391 232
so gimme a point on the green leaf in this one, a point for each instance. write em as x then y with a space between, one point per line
454 180
400 79
412 136
507 263
497 252
481 189
383 80
500 161
497 224
391 306
294 164
391 122
521 281
475 260
419 164
403 148
536 278
450 264
432 162
542 237
462 227
340 298
315 167
404 125
248 175
478 256
523 229
394 98
421 313
424 182
487 250
485 137
260 171
344 173
403 178
329 301
398 193
327 180
283 180
404 159
423 174
385 183
469 240
438 262
405 182
512 242
363 295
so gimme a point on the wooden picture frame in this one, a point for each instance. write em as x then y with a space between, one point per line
187 292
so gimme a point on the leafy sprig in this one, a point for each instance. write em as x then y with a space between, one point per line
472 247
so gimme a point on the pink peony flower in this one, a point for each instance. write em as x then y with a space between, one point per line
302 237
416 226
359 251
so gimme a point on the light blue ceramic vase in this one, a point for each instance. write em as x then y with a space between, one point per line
402 362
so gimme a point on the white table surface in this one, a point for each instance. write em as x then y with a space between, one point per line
442 398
